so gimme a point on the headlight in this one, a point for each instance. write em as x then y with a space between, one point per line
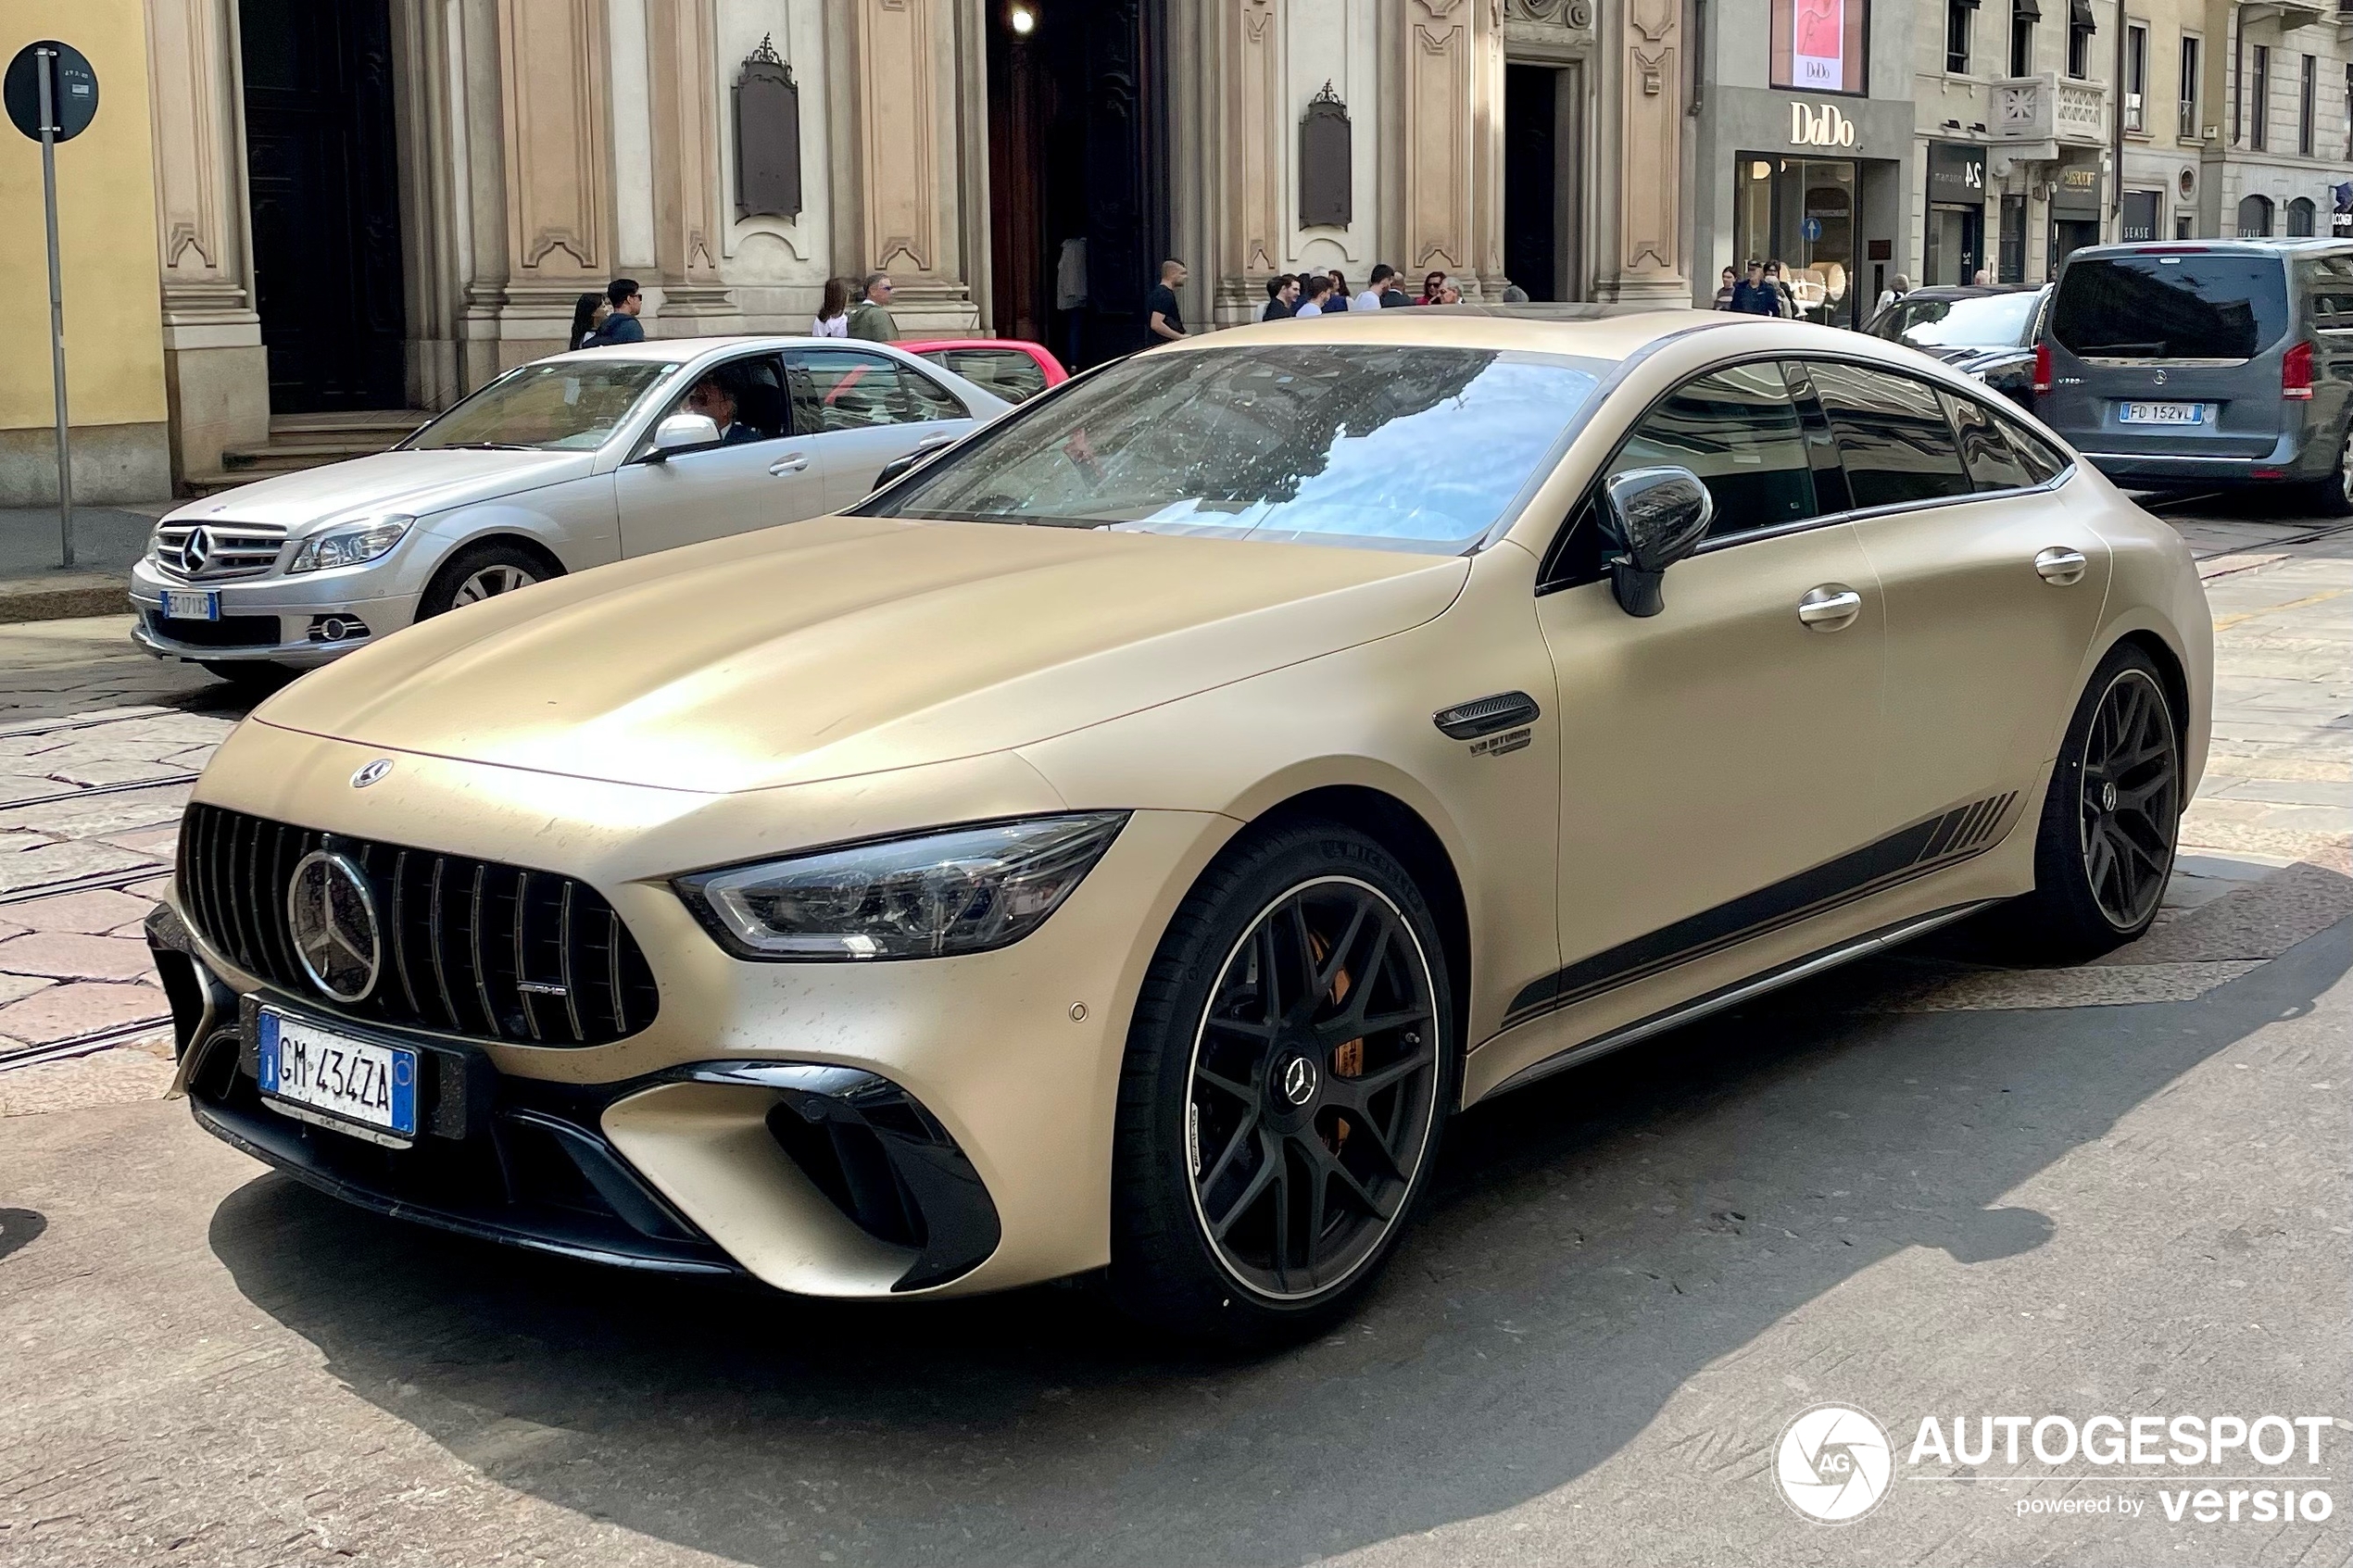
350 547
963 890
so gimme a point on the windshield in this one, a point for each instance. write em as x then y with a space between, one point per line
1391 447
561 405
2209 306
1996 321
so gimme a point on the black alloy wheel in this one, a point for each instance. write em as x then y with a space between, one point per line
2129 804
2111 819
1291 1064
1314 1074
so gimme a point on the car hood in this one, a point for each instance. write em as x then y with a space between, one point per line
384 482
846 645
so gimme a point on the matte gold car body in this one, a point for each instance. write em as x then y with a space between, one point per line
849 678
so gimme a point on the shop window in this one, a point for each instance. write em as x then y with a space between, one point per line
2300 215
2255 218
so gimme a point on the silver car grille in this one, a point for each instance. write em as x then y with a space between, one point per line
211 552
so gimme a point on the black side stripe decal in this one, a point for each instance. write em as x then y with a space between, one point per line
1963 831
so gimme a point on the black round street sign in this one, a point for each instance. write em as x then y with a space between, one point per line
73 90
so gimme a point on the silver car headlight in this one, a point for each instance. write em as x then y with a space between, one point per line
350 547
960 890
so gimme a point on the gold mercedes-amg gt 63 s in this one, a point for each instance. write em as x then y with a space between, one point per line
1123 841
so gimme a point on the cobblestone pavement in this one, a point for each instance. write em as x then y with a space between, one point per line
1932 1183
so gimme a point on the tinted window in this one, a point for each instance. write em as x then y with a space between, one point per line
1389 446
1008 372
1985 451
2201 305
1738 431
842 389
2043 461
1894 439
2332 289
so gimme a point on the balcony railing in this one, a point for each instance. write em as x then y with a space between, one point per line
2050 107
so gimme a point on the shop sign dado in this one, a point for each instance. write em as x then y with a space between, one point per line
1819 125
2076 193
1955 174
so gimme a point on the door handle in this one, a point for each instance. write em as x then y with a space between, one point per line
793 463
1833 607
2060 565
929 442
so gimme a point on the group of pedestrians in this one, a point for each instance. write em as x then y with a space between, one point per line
1295 295
856 307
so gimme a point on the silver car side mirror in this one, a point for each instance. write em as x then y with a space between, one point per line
683 432
1650 519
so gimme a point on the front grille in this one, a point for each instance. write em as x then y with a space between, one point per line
229 631
229 549
470 948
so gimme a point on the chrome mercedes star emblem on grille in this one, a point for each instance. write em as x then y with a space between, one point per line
1298 1081
2160 377
331 913
370 773
197 550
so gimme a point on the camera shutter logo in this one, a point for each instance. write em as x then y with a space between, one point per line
1833 1464
330 912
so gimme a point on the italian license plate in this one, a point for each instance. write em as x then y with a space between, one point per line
191 604
2164 414
319 1075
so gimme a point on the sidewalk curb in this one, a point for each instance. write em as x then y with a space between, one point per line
66 597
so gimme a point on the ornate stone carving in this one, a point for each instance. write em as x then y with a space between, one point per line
193 114
767 135
1439 150
551 69
682 41
1650 121
1254 110
896 135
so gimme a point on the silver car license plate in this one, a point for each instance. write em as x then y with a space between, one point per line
322 1076
2164 414
191 604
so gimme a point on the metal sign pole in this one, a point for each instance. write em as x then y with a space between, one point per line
45 68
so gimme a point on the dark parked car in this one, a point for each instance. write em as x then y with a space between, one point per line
1986 331
2195 364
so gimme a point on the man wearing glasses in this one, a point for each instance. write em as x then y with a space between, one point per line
870 317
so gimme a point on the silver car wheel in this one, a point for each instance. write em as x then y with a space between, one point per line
491 582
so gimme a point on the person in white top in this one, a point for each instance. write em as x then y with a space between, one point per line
1312 290
1370 298
833 313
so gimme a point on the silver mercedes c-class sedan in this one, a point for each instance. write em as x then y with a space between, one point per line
558 465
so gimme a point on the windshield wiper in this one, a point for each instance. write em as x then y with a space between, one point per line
479 446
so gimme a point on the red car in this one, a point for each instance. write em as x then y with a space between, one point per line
1015 370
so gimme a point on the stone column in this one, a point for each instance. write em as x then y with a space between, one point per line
553 131
1251 227
1440 145
682 90
1648 253
903 204
216 372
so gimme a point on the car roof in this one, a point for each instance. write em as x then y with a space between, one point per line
667 350
922 344
2297 246
1595 331
1968 291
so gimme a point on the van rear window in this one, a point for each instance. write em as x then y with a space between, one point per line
2151 306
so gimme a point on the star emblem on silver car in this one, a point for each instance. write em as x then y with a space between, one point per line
330 912
197 550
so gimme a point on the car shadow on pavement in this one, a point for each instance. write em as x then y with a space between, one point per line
1594 1243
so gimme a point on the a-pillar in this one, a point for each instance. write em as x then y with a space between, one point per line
898 183
216 371
682 88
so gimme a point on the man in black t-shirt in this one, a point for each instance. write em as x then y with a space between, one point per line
1162 319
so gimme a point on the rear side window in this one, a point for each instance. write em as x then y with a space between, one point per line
1008 372
2201 306
1738 431
2043 461
1985 451
1894 439
836 389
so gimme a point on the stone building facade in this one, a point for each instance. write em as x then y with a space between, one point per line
383 203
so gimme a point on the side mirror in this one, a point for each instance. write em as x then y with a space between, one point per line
683 432
1650 519
893 467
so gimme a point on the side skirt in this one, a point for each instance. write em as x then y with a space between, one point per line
1733 995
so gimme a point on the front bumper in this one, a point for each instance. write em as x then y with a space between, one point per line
271 620
530 1164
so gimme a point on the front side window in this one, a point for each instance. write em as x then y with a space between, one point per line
1738 431
836 389
1894 438
1394 448
559 406
745 397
